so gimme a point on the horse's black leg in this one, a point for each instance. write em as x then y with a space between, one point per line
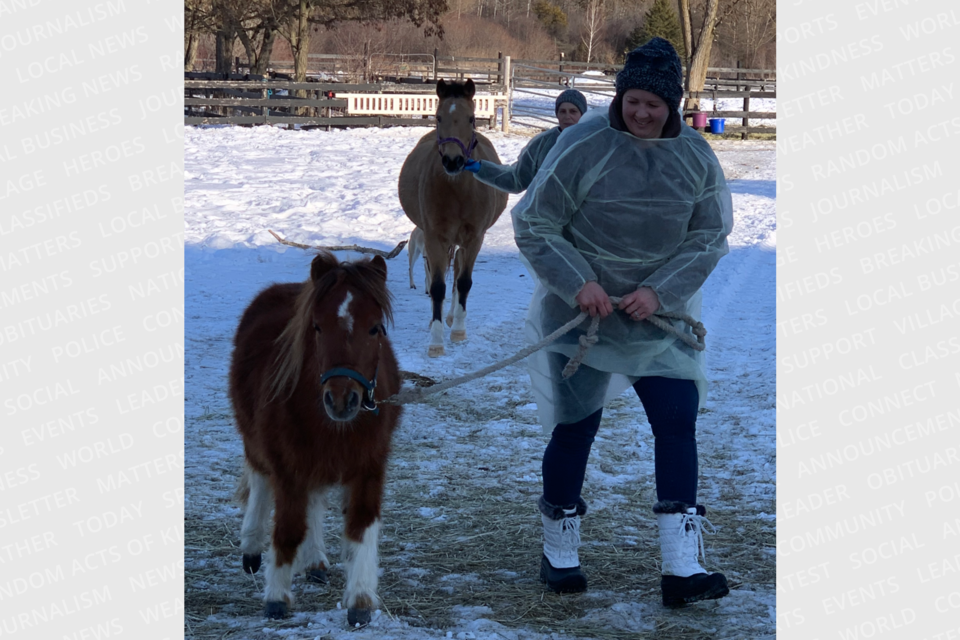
468 254
458 331
438 290
464 283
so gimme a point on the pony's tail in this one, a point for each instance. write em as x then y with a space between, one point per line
242 494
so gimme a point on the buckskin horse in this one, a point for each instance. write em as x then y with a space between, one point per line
450 208
309 363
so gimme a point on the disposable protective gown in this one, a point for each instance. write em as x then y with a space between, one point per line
516 177
627 213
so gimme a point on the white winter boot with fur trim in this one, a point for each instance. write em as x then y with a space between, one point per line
560 563
681 544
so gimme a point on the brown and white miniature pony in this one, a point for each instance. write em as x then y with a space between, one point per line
449 206
310 361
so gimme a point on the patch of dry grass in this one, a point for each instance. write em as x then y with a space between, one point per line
488 537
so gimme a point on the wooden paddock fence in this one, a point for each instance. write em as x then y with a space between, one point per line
744 128
250 102
399 90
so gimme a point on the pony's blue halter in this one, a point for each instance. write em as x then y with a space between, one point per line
368 403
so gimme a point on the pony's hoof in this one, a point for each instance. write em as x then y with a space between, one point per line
458 335
450 320
276 610
436 350
319 576
358 617
251 562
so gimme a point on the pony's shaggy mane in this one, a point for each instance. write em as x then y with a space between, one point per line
292 342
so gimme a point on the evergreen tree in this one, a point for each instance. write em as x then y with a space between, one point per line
661 20
552 17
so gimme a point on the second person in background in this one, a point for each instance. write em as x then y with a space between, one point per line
514 178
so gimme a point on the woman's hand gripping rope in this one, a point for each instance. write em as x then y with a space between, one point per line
641 305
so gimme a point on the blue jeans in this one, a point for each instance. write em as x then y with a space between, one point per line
671 407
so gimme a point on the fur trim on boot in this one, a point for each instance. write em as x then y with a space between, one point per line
554 512
675 506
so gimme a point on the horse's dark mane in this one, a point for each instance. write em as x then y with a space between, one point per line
292 341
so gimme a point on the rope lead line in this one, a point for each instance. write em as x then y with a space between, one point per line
417 394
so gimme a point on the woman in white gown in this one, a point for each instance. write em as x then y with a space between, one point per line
632 204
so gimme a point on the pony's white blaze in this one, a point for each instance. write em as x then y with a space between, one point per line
346 319
453 106
362 566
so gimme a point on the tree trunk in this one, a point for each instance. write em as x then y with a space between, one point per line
248 47
266 50
190 52
365 68
301 42
684 13
226 36
700 53
594 24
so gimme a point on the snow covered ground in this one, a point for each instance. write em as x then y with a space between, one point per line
460 541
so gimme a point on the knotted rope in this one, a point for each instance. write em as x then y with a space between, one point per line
586 341
590 337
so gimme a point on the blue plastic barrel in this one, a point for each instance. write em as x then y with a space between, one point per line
716 125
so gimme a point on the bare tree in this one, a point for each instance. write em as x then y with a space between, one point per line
252 22
293 25
225 30
748 30
259 30
698 44
427 13
594 24
195 14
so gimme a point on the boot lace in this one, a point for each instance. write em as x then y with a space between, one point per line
570 533
696 523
